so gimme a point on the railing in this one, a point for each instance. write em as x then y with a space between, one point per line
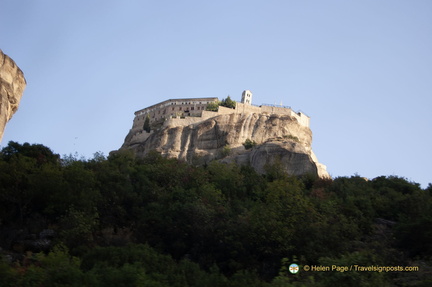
255 105
286 107
276 106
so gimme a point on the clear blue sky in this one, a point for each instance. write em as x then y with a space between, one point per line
362 70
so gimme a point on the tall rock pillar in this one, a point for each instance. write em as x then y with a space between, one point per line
12 85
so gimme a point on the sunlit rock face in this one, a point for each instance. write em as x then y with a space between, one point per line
278 139
12 85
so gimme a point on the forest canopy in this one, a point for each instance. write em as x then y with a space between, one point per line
124 221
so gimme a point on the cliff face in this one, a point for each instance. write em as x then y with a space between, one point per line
279 139
12 84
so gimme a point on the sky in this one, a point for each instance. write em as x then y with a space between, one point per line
362 70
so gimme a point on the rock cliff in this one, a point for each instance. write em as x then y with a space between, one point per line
274 139
12 85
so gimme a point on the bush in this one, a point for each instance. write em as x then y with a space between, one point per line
214 107
226 151
248 144
146 126
228 103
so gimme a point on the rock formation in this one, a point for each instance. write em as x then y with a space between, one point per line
12 85
274 139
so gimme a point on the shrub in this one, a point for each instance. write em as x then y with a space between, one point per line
146 126
248 144
228 103
214 107
226 151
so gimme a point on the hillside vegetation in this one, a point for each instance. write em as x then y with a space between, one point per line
123 221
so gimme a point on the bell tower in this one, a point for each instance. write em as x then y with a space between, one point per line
246 97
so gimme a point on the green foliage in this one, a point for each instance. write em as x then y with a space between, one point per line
228 103
248 144
41 154
213 106
226 151
141 265
161 222
57 268
352 278
146 125
26 172
275 170
8 274
78 227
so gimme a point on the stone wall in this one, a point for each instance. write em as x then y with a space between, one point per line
225 111
12 85
247 109
170 109
172 113
183 121
303 119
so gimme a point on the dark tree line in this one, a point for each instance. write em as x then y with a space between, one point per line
123 221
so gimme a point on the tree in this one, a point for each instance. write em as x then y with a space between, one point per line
26 173
228 103
248 144
57 268
40 153
146 126
213 106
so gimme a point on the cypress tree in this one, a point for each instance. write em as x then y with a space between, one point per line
146 126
